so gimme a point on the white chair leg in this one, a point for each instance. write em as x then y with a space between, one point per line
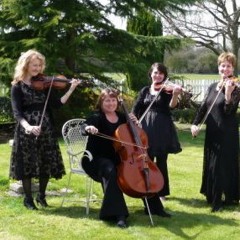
89 190
149 212
68 184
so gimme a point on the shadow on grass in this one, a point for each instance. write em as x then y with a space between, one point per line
181 223
72 211
202 203
191 202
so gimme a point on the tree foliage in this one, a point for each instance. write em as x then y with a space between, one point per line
192 60
77 37
213 24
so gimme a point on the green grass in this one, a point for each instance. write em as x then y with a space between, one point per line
200 76
191 216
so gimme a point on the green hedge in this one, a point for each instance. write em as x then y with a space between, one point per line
187 115
6 110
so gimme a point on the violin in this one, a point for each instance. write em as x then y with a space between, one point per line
235 82
168 87
41 82
138 175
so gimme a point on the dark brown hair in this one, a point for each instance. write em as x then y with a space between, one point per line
160 67
113 93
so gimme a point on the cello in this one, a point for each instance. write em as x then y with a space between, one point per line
138 175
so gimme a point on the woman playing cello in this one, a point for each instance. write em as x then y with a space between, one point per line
103 167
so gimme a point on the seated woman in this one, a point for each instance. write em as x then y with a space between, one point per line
103 167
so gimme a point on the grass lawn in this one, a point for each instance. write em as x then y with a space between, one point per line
191 216
193 76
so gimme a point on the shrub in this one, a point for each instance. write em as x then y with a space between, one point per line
184 115
6 110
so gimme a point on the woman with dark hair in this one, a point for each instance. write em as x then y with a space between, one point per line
158 123
103 167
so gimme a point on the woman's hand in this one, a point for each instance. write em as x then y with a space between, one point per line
229 87
74 83
91 129
35 130
133 118
177 90
194 130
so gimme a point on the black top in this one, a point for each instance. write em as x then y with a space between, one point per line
157 123
98 146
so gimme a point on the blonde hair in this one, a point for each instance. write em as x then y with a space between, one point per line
23 63
227 56
113 93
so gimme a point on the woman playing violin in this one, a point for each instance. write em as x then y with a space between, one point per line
103 167
158 124
35 152
220 178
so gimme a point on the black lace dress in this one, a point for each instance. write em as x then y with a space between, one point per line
31 156
158 123
220 177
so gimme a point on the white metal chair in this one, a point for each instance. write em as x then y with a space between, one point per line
76 142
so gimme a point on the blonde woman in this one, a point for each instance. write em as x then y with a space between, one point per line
220 178
35 152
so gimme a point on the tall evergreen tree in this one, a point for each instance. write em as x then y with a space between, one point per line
77 37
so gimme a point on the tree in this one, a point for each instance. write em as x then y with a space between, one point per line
213 24
77 37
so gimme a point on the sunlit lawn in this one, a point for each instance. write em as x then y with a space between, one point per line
191 216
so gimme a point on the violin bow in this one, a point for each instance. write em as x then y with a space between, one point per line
154 99
210 109
45 105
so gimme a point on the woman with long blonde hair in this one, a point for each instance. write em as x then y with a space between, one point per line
35 152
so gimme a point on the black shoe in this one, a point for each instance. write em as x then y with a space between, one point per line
162 213
29 204
41 200
217 208
121 222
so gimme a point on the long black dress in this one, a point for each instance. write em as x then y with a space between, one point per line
33 157
161 132
220 178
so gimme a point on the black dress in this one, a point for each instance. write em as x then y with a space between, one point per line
103 167
160 129
31 156
220 176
